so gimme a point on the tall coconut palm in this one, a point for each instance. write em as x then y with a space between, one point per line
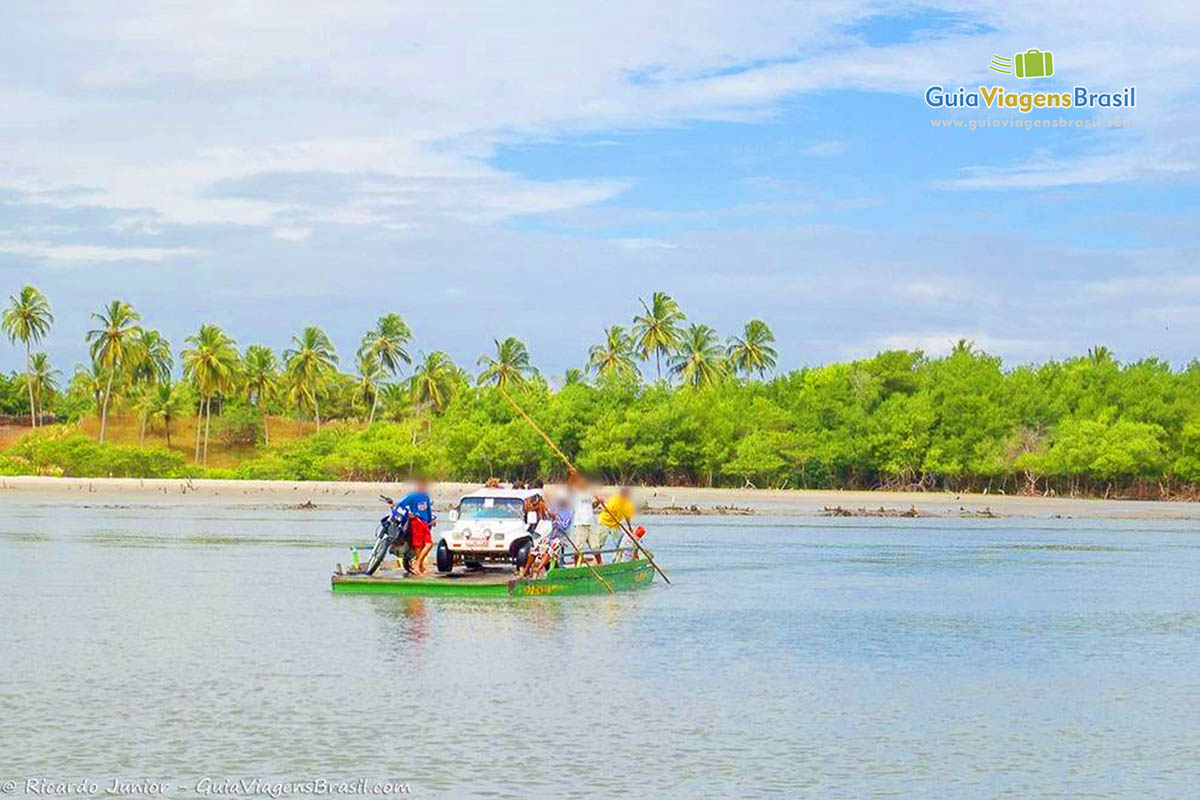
510 365
142 402
309 362
432 383
615 356
115 345
366 387
657 330
699 361
752 351
45 382
152 365
384 344
211 364
260 378
27 320
155 362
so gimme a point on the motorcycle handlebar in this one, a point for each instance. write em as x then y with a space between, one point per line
387 500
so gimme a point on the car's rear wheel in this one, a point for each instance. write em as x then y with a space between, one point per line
445 557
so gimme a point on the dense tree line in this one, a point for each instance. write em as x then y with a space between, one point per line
708 414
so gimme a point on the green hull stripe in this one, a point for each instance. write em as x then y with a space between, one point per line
560 582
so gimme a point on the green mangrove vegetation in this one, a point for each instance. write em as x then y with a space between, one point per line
662 401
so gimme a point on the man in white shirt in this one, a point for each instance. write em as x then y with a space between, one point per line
584 532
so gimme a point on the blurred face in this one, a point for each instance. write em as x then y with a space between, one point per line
624 492
423 486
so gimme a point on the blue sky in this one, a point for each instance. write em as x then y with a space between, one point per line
489 171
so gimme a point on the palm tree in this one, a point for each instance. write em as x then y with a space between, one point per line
45 382
114 345
657 331
700 359
384 344
573 377
89 382
510 365
211 364
963 347
27 320
165 402
309 363
152 365
142 402
260 377
752 352
432 383
154 362
367 389
615 356
1100 355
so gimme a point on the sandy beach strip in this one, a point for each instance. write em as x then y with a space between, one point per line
345 494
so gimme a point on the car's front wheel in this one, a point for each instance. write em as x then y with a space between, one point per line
445 557
519 550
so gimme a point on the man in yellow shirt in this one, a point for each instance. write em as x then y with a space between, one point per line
616 510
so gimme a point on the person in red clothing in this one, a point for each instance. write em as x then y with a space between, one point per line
421 521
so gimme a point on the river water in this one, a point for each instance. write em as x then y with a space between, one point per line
791 657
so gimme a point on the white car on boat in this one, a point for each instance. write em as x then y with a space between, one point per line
490 525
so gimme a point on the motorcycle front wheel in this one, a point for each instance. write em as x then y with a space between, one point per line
377 555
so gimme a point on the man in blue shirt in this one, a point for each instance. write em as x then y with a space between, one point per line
420 508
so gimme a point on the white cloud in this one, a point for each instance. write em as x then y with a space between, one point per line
93 253
310 152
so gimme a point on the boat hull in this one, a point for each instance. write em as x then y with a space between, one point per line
568 581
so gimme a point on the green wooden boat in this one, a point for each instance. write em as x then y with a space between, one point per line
499 582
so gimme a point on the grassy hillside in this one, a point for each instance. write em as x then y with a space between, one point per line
123 430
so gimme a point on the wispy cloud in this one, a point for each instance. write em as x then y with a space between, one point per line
93 253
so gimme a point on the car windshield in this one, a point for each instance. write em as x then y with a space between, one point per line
491 508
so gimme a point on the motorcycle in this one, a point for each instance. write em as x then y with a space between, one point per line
393 531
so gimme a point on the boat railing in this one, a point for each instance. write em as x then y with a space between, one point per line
566 554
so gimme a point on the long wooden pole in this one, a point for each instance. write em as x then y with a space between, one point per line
563 456
534 425
595 574
567 461
627 529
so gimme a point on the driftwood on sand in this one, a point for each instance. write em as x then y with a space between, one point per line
696 511
912 511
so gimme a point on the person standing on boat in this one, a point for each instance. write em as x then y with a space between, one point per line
615 511
584 533
420 508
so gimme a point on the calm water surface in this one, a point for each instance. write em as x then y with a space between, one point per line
792 657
